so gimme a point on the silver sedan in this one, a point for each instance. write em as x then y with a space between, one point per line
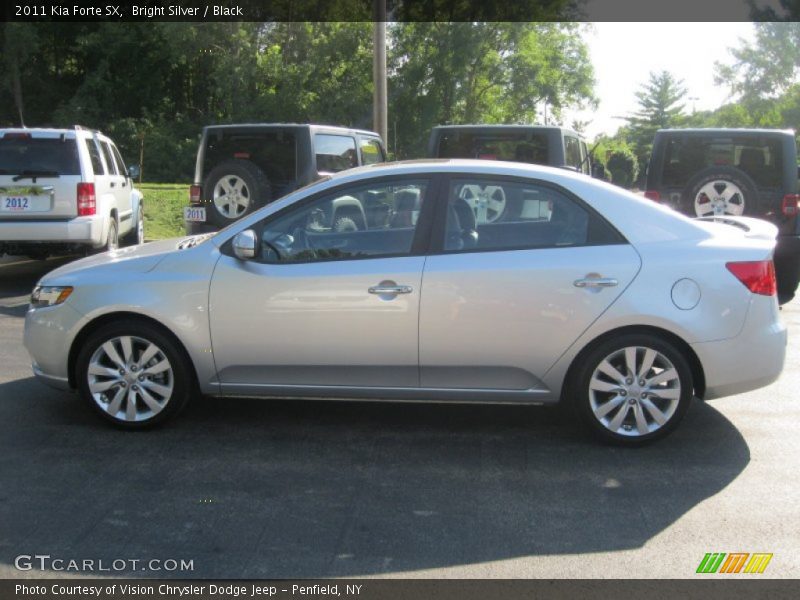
446 281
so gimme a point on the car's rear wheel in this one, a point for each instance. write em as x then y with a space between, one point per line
133 374
632 389
235 188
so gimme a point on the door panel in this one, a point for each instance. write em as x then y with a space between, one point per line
500 320
315 324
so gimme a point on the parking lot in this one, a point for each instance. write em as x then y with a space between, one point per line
276 489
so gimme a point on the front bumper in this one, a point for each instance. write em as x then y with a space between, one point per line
48 336
752 359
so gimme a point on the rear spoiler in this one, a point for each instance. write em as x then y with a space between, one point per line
753 228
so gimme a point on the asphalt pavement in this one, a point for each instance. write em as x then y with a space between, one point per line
289 489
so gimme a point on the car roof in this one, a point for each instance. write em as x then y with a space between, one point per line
727 131
50 131
495 127
290 126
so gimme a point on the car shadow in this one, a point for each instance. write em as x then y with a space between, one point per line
291 489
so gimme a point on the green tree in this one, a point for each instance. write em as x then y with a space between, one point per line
766 67
661 106
483 72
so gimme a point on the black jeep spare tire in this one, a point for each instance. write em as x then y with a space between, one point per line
720 190
235 188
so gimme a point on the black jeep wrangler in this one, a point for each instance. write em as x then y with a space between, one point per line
541 145
243 167
717 172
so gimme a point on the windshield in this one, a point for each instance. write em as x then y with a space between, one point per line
38 155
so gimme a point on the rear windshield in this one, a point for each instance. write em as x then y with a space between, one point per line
273 152
38 154
760 158
519 147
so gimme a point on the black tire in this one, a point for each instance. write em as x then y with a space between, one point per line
136 235
581 396
37 255
726 176
251 182
112 239
344 225
179 379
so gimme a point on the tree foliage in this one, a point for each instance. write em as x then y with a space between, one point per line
661 106
154 85
443 73
766 67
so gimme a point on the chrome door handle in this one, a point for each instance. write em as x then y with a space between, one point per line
596 283
390 289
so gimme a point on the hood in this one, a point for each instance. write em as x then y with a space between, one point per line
137 259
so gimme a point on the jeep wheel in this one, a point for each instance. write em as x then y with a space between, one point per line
235 188
719 191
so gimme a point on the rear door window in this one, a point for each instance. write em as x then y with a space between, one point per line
18 154
572 152
94 156
335 152
108 155
760 158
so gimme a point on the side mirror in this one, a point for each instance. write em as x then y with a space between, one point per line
244 244
134 171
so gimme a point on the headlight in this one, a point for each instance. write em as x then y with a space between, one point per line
49 295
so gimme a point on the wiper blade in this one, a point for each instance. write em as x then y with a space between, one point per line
34 174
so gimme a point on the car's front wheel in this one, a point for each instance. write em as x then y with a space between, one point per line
133 374
632 389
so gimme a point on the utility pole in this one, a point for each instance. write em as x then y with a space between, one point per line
379 96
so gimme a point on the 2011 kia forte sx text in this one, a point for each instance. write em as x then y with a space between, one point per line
449 281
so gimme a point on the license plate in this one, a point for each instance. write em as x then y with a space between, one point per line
194 213
21 204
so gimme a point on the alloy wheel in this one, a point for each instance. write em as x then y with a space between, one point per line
634 391
130 378
231 196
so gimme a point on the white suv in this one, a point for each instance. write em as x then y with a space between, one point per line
63 190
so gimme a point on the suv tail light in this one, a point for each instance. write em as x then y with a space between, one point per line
16 135
195 191
789 205
87 202
652 195
757 276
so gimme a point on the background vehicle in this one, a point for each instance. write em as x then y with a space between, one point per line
563 297
243 167
538 145
723 172
63 190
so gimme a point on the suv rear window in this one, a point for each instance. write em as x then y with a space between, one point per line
761 159
18 154
273 152
519 147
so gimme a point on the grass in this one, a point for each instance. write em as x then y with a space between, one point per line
163 209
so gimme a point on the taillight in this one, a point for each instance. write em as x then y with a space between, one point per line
195 191
789 205
757 276
16 135
652 195
87 202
